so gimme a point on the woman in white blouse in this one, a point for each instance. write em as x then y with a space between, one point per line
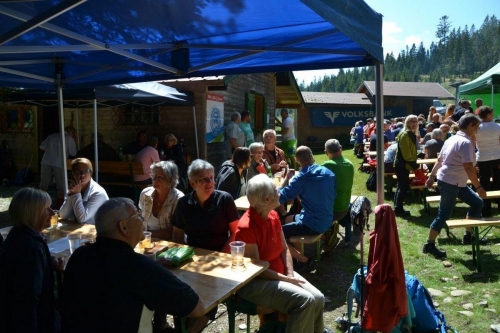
488 154
158 202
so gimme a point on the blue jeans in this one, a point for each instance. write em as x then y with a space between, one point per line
297 229
449 195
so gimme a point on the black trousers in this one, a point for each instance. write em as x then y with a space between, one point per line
403 175
487 170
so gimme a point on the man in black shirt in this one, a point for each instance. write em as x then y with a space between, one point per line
110 288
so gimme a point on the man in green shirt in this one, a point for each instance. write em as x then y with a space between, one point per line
344 173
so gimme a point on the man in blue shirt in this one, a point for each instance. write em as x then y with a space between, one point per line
316 187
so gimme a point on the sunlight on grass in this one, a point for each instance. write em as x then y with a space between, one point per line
431 272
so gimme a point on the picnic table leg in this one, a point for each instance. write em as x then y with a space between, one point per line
231 314
476 243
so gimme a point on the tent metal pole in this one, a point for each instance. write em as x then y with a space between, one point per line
96 153
492 94
61 130
379 107
77 126
196 134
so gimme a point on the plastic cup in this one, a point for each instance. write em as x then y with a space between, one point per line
54 219
237 253
74 242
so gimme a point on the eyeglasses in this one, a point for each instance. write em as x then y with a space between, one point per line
138 214
206 180
81 172
158 178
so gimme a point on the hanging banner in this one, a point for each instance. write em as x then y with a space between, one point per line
347 116
215 118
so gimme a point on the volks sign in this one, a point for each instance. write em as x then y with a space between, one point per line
331 117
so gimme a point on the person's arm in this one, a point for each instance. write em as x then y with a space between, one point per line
233 226
199 310
292 190
86 211
432 177
471 173
426 152
178 236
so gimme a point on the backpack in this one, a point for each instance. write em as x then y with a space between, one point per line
371 182
427 317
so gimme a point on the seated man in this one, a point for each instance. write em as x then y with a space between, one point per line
343 169
110 288
316 187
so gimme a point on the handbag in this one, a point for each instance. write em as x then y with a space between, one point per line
420 178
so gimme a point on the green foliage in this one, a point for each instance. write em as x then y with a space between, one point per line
461 53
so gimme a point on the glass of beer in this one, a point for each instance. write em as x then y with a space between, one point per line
237 252
54 219
146 242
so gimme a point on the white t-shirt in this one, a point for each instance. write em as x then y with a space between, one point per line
488 142
287 123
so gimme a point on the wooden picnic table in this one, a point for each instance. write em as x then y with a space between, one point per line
427 161
208 273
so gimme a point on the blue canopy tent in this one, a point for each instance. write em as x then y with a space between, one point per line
55 44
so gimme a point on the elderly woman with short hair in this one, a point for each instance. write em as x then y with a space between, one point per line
26 274
158 202
456 165
84 195
278 287
258 165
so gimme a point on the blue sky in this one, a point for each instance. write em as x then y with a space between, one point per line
408 21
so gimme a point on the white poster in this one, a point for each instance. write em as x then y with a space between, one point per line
215 118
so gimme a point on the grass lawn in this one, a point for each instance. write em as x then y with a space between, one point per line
462 275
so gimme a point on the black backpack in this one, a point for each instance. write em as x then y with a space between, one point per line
371 182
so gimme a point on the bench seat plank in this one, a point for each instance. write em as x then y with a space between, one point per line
469 223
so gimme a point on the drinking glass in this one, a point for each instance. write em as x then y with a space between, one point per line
146 243
74 242
54 219
237 252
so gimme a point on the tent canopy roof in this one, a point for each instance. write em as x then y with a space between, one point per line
483 83
151 93
94 43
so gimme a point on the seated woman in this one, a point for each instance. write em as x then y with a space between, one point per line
278 287
231 177
257 164
26 268
158 202
84 195
205 218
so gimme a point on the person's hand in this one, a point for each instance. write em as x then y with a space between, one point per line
294 280
283 164
75 187
481 192
58 264
429 182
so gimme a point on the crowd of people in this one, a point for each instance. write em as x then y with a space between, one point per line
127 292
465 145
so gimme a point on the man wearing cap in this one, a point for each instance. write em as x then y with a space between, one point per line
388 131
344 176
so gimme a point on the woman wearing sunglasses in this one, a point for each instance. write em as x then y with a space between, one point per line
84 195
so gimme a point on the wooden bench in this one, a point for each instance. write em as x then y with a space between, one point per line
437 198
125 170
475 225
316 239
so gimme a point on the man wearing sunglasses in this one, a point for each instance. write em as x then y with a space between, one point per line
110 288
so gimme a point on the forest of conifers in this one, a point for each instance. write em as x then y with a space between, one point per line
459 54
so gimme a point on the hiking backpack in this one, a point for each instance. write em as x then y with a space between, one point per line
371 182
427 317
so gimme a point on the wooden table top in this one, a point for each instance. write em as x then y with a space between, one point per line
209 274
427 161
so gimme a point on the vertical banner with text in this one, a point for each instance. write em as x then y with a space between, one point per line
215 118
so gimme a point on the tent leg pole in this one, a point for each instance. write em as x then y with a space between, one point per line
379 102
196 134
96 154
61 131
